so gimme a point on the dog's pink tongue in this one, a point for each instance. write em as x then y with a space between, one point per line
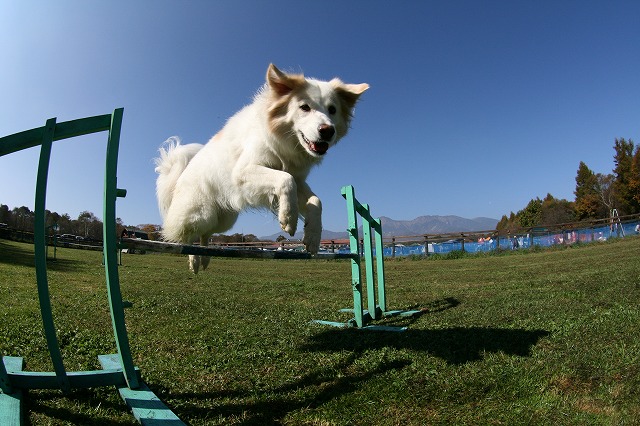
320 147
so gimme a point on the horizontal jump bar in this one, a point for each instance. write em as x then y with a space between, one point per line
64 130
363 210
77 379
165 247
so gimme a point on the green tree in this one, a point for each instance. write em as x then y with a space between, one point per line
5 213
153 231
503 224
23 218
85 219
634 180
52 218
555 211
66 226
531 215
588 204
623 160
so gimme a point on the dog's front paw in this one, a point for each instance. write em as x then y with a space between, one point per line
288 221
289 227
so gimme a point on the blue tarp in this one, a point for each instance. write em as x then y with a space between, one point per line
544 239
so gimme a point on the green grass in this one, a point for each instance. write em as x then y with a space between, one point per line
548 337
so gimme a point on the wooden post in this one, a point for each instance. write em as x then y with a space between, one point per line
354 243
382 296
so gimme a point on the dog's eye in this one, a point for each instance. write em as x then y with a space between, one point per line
305 107
332 109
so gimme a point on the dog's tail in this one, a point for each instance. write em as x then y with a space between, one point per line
173 159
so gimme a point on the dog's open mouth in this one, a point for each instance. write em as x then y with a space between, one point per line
318 147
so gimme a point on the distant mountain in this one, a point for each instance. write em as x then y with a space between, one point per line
418 226
435 225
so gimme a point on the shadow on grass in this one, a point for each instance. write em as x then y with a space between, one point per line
56 407
270 406
14 255
455 345
321 385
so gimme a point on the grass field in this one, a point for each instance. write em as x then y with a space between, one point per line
538 338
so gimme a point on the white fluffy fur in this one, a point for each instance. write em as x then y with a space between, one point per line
260 159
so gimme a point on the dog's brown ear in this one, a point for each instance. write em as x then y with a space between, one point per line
349 93
281 83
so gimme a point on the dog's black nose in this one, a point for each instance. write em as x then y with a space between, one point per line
326 131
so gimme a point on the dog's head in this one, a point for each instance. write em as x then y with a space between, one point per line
315 114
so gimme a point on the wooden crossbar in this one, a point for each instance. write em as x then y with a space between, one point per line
174 248
67 129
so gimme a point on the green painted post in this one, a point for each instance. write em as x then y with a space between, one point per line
356 283
11 397
368 264
5 383
382 297
354 208
39 243
110 251
121 371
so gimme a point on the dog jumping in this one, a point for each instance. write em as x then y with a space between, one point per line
260 159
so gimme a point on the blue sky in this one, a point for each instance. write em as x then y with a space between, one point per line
475 107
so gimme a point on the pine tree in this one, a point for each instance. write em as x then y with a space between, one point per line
623 160
588 203
531 215
503 225
634 181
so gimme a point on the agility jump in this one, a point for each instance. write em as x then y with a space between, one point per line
371 229
118 369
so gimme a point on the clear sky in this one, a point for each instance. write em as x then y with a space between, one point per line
475 107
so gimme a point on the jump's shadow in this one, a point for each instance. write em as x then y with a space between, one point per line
455 345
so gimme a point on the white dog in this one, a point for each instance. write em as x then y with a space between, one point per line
260 159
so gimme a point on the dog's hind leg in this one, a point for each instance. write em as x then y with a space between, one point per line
194 263
204 260
197 261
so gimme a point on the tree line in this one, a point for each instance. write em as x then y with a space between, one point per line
596 194
88 226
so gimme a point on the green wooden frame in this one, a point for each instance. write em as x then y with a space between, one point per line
376 290
119 369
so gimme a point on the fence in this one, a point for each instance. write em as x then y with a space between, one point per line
486 241
428 244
